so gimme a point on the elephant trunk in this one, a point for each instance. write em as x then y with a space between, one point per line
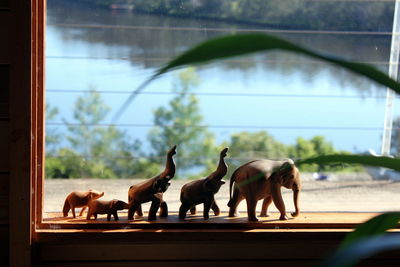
169 171
296 193
222 168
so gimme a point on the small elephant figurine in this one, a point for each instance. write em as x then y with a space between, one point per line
263 179
79 199
109 207
203 191
152 190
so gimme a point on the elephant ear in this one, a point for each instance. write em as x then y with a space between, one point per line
207 186
283 173
212 185
161 185
113 204
156 185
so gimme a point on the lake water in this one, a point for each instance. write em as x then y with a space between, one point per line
287 95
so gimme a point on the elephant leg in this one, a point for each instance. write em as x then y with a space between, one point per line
264 210
82 210
115 216
251 209
163 209
215 208
193 210
132 209
206 211
278 201
155 205
95 216
73 212
139 211
109 216
89 214
183 210
234 202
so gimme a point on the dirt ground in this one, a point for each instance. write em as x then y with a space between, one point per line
339 193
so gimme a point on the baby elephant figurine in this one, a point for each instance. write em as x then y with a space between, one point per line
203 190
152 190
79 199
263 179
110 207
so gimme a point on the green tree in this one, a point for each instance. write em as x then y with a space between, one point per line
53 137
247 146
96 150
317 146
181 123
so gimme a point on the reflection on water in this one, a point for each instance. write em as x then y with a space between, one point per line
116 51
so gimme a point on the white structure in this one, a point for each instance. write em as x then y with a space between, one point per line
393 69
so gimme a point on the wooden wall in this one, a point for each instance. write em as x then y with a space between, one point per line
15 134
4 128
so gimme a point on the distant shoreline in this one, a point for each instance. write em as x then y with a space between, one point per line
305 16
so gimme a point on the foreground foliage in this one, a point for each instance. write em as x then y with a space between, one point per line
367 238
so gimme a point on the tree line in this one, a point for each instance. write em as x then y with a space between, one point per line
89 148
300 14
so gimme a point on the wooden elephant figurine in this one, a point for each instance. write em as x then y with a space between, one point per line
203 190
79 199
152 190
109 207
263 179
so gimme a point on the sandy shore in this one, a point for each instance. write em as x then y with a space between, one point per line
340 193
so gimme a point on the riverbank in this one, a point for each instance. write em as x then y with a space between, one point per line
358 194
301 15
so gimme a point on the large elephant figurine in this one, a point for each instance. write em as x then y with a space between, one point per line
203 190
263 179
152 190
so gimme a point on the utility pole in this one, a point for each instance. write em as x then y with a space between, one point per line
393 69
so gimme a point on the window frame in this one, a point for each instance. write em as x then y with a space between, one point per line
37 155
30 245
38 109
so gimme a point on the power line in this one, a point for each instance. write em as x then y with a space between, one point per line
138 125
248 158
164 59
350 1
232 30
215 94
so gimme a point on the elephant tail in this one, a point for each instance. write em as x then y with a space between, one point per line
231 181
66 208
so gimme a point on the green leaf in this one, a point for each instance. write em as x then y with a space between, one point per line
375 226
366 240
240 44
386 162
361 249
235 45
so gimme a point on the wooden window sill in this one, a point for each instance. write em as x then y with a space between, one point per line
308 237
307 220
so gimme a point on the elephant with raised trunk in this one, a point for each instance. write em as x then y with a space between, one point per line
203 191
152 190
263 179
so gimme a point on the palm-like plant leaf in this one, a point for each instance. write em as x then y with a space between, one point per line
240 44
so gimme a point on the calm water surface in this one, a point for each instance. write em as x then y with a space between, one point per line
287 95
